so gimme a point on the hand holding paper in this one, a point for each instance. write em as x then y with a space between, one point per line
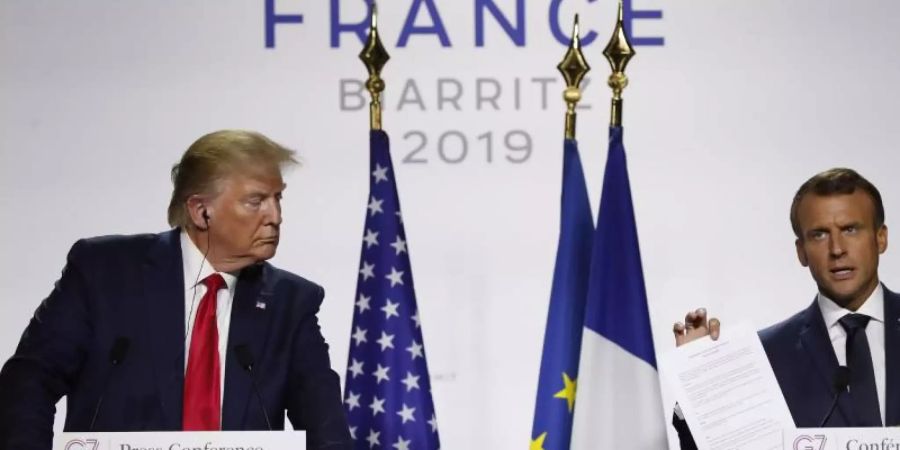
727 391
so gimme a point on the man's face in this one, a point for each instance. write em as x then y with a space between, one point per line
840 245
245 217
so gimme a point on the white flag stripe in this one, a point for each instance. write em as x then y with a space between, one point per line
618 402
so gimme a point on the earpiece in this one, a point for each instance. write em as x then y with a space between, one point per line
205 217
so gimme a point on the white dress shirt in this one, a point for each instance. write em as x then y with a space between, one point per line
196 268
874 308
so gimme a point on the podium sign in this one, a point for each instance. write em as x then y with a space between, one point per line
182 440
842 439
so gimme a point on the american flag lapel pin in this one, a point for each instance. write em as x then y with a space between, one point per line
262 298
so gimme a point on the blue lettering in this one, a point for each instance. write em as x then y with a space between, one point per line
629 15
437 27
360 29
561 36
273 19
514 30
516 34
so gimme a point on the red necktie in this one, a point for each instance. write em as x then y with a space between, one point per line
202 405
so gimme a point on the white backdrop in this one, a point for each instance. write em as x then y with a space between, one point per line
746 99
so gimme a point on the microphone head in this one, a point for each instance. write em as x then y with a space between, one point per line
841 378
244 356
119 350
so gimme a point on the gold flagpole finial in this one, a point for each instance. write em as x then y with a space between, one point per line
573 68
374 56
618 52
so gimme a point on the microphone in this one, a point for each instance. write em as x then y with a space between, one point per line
117 354
245 360
840 382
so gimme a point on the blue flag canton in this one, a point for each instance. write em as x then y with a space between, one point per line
388 392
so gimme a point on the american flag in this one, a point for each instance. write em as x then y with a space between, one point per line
387 393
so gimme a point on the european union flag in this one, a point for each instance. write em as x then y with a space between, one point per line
562 338
619 404
387 390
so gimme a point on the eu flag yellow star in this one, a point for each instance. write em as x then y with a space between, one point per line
568 392
538 442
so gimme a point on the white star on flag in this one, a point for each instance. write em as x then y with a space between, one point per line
356 368
380 173
411 381
381 373
401 444
352 401
399 245
367 271
363 303
371 238
359 336
390 309
433 423
375 206
373 438
415 350
377 406
406 414
386 341
396 276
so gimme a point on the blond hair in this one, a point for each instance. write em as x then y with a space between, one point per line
214 157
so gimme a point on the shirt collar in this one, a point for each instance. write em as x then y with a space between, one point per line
196 264
872 307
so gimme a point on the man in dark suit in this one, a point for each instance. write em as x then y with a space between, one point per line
854 321
170 331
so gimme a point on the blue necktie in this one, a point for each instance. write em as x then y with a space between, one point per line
862 375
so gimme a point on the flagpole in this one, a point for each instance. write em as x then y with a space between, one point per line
618 52
374 56
573 68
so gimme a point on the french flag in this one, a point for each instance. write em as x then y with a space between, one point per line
618 402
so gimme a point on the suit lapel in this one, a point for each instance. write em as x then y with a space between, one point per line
249 320
164 296
817 344
892 357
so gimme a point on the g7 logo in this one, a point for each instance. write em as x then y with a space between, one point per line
806 442
83 444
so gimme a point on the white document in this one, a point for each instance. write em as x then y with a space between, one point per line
727 391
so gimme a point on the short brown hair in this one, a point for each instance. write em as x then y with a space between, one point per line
837 181
212 158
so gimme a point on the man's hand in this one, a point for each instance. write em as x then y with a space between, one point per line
695 326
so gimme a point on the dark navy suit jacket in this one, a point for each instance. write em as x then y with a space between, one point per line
132 287
804 363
